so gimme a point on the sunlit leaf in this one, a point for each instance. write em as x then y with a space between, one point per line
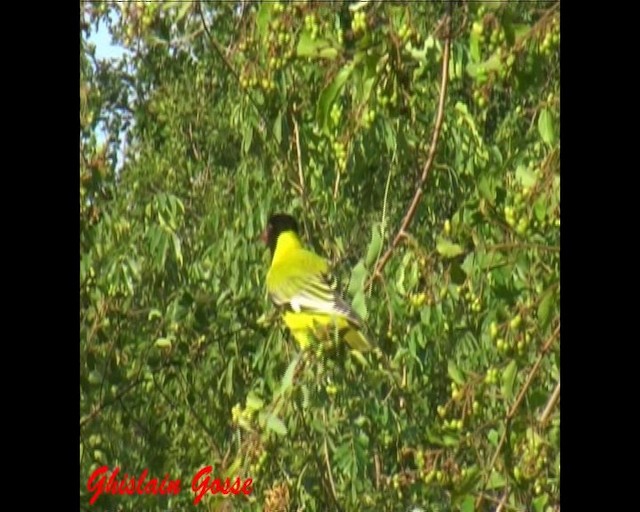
358 276
329 95
309 47
508 379
276 425
374 245
359 304
546 127
448 249
455 373
254 402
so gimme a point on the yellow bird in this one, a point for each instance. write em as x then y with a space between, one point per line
300 282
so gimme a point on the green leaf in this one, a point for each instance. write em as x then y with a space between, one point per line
469 264
389 134
357 355
247 138
374 245
359 304
455 373
400 281
229 383
449 440
309 47
448 249
277 128
546 127
318 426
328 53
491 64
254 402
470 481
263 17
154 313
525 176
539 502
487 187
358 5
276 425
540 208
306 396
177 249
287 378
329 95
508 379
544 308
474 47
496 481
468 504
493 436
358 277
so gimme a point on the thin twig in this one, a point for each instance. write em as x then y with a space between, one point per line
199 420
220 51
296 132
97 410
514 408
430 157
502 502
541 247
328 464
553 399
532 373
196 153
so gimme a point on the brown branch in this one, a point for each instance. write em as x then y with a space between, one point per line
296 132
507 246
514 408
103 405
327 462
220 51
502 501
532 373
430 157
553 400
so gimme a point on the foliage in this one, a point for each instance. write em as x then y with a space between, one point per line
222 112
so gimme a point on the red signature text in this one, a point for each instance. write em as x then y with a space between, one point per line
202 483
98 484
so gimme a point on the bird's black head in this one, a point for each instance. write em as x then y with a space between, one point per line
278 223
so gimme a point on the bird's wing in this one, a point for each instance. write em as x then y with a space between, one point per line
304 283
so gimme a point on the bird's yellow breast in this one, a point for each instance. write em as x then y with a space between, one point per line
288 243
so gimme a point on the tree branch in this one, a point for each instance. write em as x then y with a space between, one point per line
512 411
553 399
413 206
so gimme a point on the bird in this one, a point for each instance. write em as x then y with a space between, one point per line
300 282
